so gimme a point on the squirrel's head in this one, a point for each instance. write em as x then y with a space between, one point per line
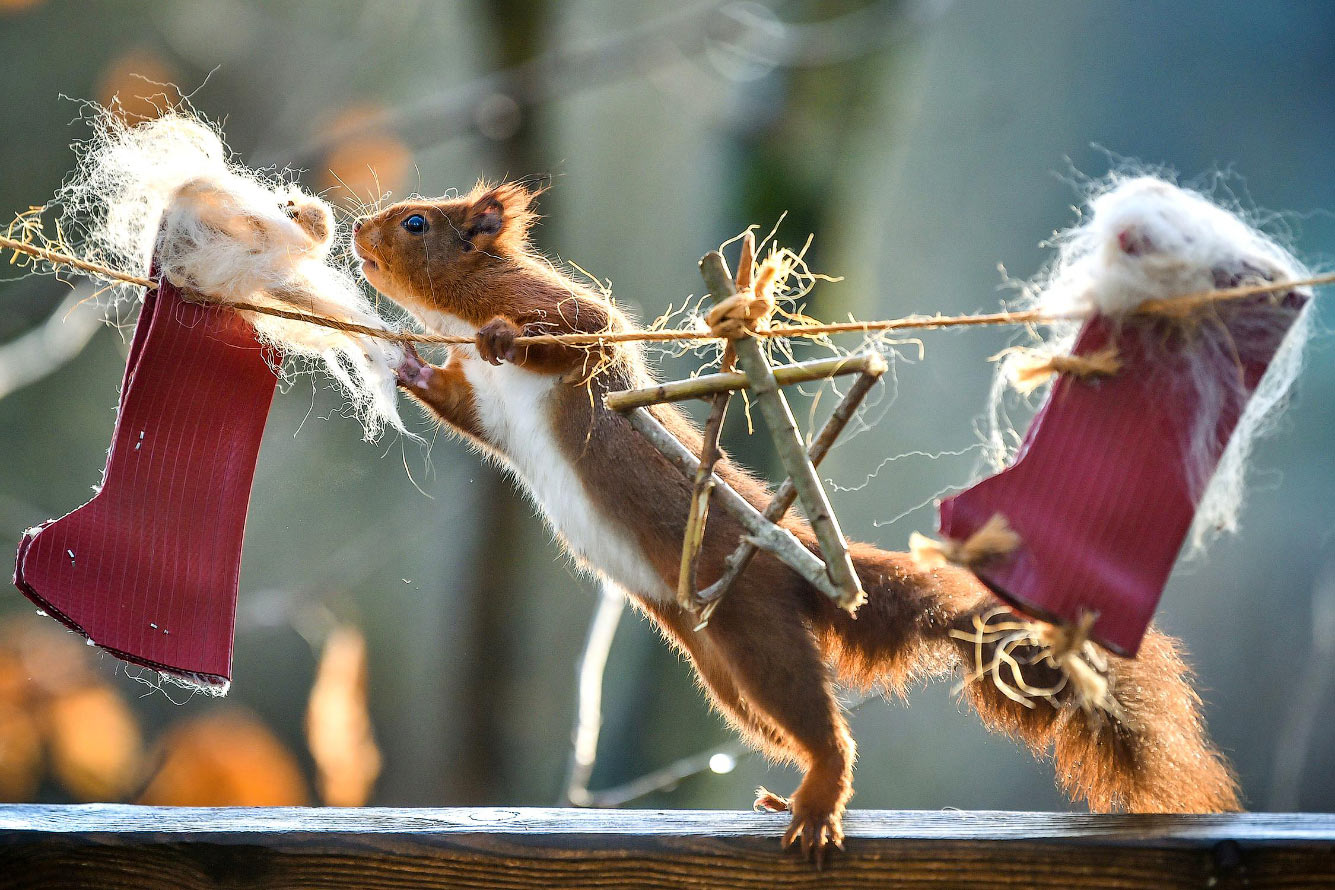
420 252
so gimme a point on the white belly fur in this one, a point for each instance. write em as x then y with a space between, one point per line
512 406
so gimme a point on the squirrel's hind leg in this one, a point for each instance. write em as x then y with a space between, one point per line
713 674
775 662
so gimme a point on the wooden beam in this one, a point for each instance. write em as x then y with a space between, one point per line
150 848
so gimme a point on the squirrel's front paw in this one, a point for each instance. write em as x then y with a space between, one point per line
496 340
413 372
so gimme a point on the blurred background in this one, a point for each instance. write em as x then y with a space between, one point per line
408 633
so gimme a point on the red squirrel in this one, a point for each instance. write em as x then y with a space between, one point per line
772 651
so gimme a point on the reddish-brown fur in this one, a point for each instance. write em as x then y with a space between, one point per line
773 649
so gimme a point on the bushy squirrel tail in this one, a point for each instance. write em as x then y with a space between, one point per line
1144 748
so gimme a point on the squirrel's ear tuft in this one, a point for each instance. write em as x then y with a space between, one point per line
499 216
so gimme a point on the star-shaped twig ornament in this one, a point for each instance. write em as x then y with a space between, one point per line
740 303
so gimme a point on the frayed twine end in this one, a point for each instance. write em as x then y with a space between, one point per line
1082 662
1029 369
1082 666
994 539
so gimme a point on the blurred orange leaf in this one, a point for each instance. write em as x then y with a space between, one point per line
338 723
95 746
51 696
20 755
227 758
39 658
368 162
13 679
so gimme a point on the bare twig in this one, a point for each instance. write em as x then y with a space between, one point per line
572 68
1294 740
779 541
663 778
698 515
874 366
663 42
45 349
708 384
666 777
589 694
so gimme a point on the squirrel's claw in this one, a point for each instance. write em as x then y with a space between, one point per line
819 835
819 832
496 340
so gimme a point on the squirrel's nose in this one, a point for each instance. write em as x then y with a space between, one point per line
357 226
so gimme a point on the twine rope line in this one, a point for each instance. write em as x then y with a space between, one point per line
1173 307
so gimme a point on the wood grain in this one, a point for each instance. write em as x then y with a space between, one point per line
115 847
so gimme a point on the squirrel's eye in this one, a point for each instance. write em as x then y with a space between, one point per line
416 224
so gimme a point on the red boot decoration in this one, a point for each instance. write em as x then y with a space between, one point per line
148 569
1100 493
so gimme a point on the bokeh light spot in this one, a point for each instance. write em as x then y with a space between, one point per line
137 86
367 163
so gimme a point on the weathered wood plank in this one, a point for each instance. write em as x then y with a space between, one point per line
145 847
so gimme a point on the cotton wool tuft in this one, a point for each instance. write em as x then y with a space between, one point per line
166 189
1145 238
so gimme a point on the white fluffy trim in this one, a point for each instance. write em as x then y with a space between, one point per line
166 188
1146 238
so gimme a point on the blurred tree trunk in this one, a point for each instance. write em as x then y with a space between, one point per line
518 30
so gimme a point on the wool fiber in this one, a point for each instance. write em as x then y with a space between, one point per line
1145 238
166 190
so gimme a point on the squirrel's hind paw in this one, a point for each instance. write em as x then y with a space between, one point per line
820 830
819 833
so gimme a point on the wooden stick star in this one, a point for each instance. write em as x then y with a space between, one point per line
834 574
